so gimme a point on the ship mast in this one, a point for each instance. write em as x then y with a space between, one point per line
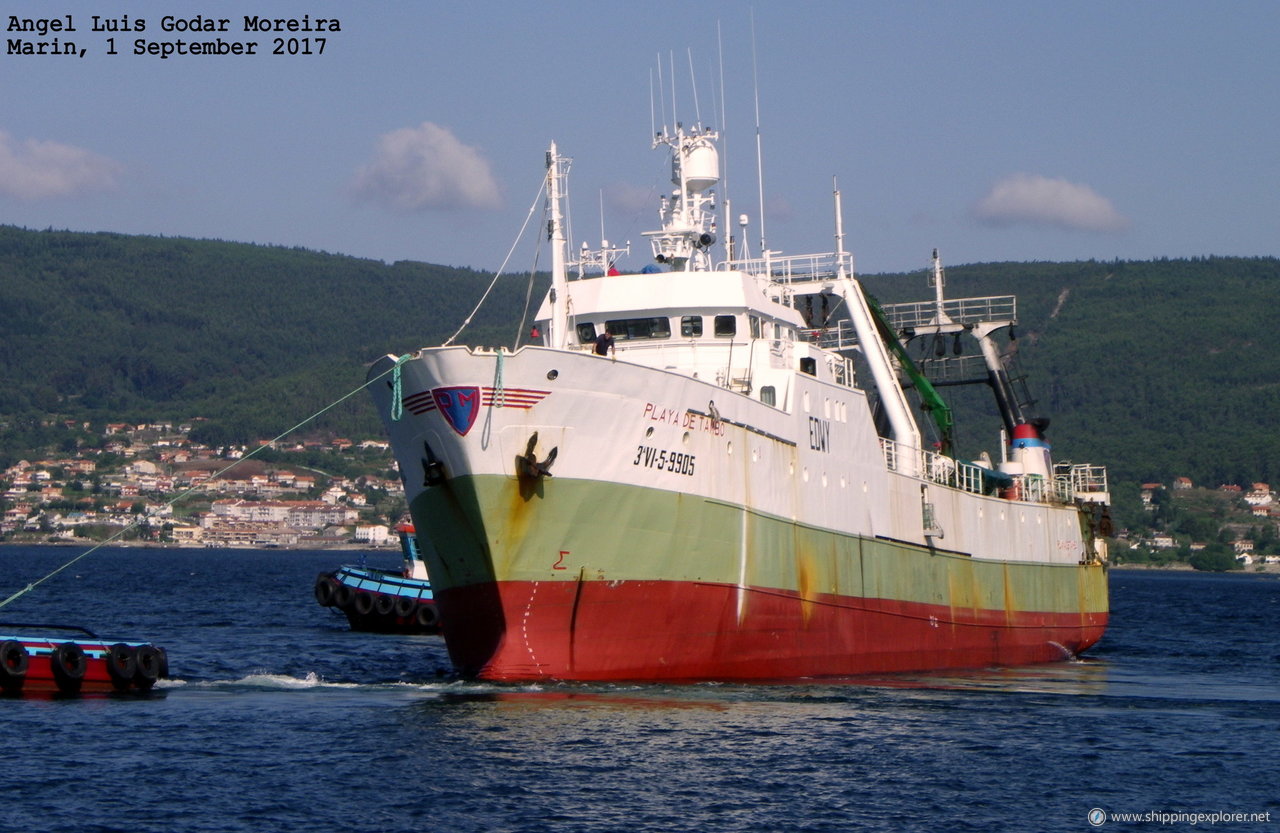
557 189
688 215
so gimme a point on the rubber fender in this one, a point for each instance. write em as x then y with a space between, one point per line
325 589
69 664
428 616
122 665
150 664
14 661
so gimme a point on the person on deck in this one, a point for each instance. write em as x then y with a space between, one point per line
659 266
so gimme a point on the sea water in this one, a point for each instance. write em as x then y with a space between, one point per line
279 718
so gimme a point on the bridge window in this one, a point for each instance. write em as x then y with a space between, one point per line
691 326
768 395
726 325
587 333
636 328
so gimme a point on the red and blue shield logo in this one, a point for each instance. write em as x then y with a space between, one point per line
459 406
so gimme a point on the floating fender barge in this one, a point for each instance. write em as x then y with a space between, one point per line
46 660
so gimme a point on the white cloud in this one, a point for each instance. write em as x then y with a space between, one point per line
1039 200
35 170
426 167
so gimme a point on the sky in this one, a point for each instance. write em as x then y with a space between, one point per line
993 131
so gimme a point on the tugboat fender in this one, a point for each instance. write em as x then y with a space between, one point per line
363 603
68 663
151 666
384 604
14 660
427 615
405 606
122 665
325 589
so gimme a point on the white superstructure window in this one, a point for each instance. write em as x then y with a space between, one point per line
639 328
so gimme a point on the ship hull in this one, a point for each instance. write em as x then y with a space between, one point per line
600 632
544 584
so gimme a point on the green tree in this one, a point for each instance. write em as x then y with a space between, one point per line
1215 558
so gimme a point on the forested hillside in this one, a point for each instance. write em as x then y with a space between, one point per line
1157 369
254 338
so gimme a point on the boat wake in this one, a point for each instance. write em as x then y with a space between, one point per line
311 681
1067 653
262 681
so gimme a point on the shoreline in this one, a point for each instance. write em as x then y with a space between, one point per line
1184 567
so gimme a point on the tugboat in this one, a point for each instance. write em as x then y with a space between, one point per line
384 601
46 660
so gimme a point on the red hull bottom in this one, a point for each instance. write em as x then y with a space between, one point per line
37 667
692 631
41 682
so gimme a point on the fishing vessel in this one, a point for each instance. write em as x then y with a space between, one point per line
724 467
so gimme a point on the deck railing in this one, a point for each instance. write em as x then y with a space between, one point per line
840 337
795 268
1070 482
921 314
1082 478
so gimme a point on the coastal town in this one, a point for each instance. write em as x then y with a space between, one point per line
1184 523
150 483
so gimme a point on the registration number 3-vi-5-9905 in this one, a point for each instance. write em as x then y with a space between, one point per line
663 460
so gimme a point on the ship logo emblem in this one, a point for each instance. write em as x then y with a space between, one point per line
459 406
